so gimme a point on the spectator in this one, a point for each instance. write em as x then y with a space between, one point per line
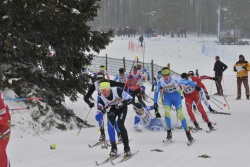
242 67
185 33
219 68
141 40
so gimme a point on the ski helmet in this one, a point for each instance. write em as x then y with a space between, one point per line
184 75
131 77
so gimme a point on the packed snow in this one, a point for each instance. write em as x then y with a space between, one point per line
228 146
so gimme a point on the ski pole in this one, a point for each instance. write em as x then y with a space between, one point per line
215 104
84 122
218 101
87 115
136 57
224 97
27 108
17 99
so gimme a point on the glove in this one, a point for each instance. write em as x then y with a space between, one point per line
156 107
197 88
157 115
244 67
235 70
215 79
182 97
91 105
207 96
119 105
148 78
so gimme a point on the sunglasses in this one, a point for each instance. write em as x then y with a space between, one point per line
140 111
190 74
164 75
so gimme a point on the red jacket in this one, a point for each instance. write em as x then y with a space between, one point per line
134 86
198 79
5 121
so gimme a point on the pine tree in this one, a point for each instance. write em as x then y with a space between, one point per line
236 14
29 28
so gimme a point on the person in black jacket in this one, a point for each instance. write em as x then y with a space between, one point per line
95 87
141 40
219 68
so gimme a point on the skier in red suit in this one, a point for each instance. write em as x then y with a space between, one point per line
191 95
4 132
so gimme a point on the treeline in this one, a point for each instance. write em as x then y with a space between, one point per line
168 15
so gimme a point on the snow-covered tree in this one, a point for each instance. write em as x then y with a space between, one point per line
45 43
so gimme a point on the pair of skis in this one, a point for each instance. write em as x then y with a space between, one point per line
110 159
189 143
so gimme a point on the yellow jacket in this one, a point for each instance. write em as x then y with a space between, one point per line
242 73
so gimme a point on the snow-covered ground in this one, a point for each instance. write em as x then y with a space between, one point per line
228 146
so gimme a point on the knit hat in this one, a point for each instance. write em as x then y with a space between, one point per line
242 57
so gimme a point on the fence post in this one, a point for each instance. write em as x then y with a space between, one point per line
106 63
168 66
196 72
124 65
152 69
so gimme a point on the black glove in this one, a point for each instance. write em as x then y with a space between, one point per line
103 111
197 88
119 104
207 96
215 79
156 107
244 67
91 105
182 97
235 70
148 78
157 115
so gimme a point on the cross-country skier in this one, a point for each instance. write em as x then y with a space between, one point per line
5 126
95 87
191 95
117 100
172 96
121 77
135 89
102 70
197 80
139 77
143 70
144 117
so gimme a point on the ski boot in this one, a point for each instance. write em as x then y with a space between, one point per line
197 126
247 97
189 136
169 135
113 151
211 110
127 151
238 98
102 137
209 124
